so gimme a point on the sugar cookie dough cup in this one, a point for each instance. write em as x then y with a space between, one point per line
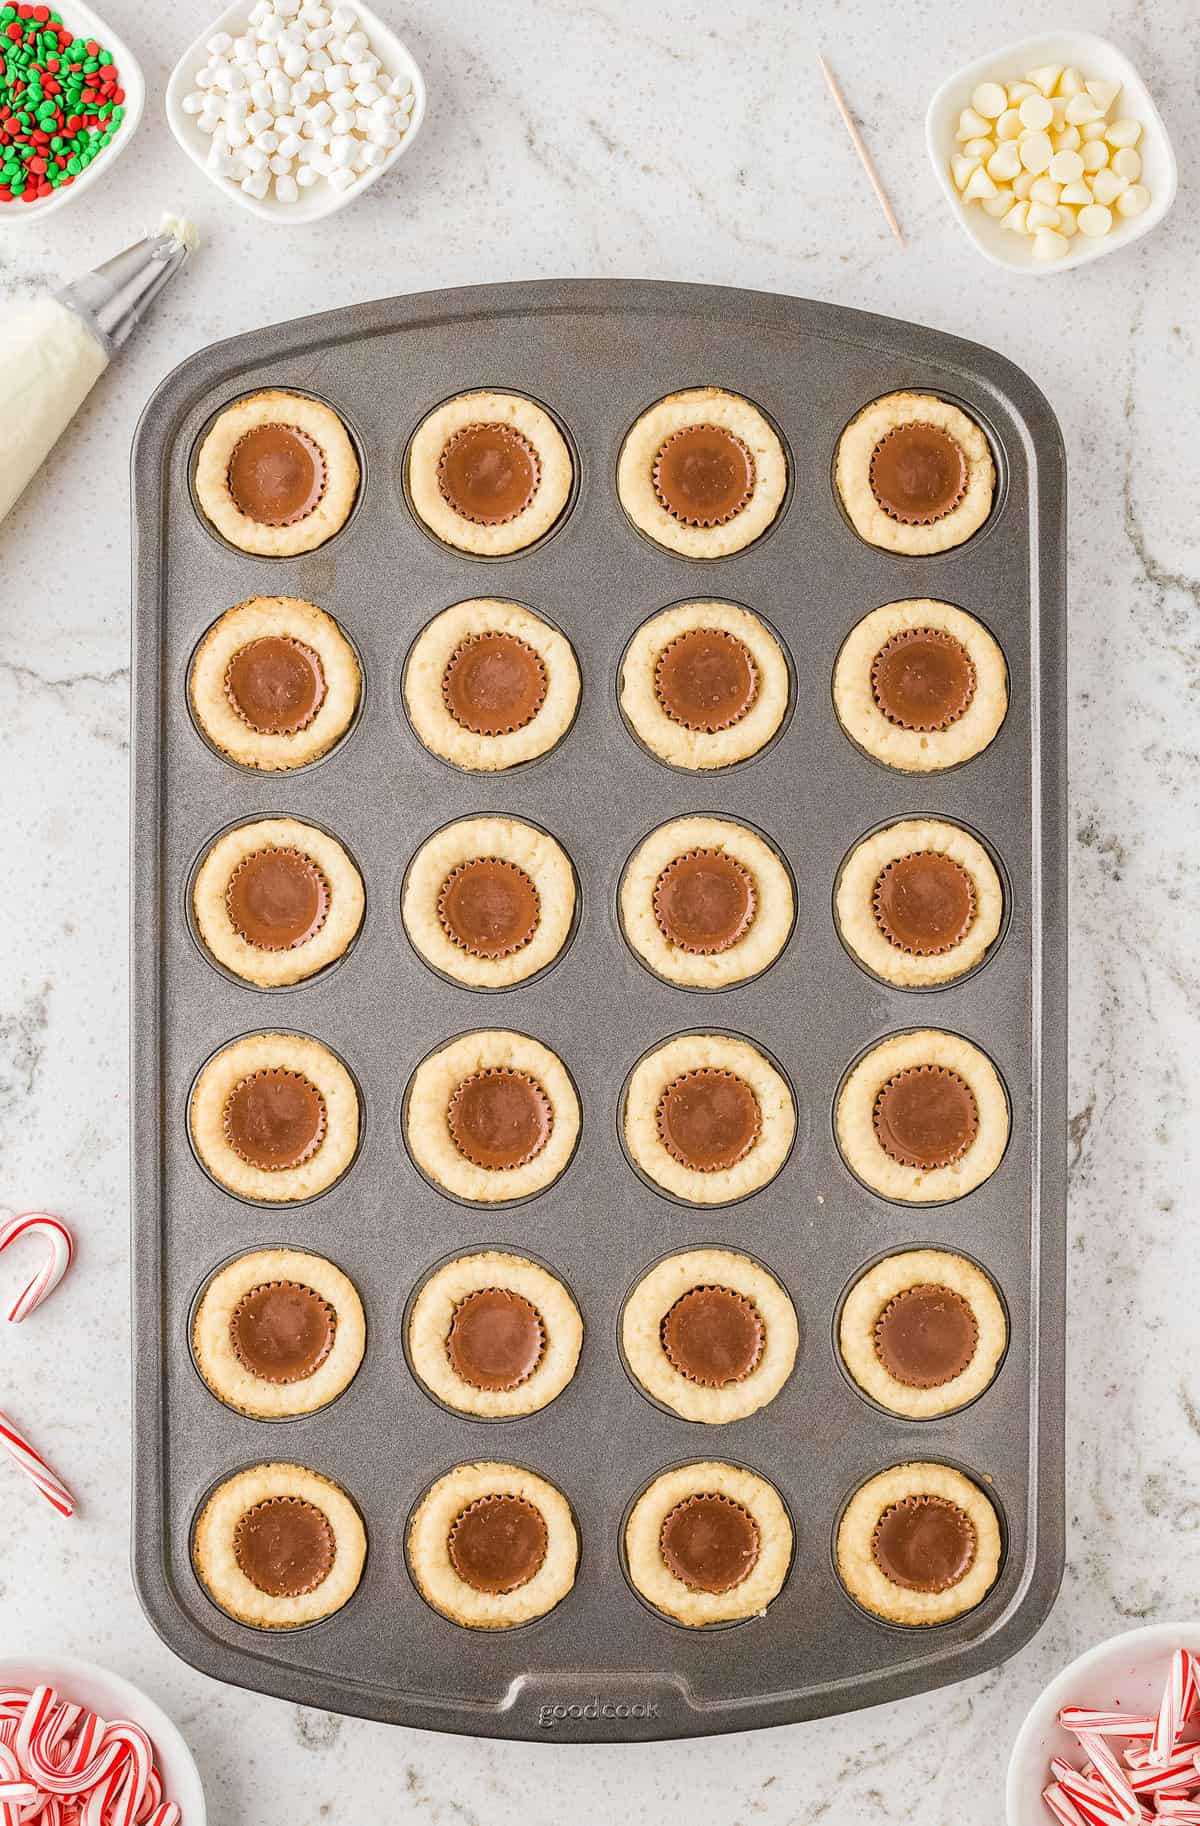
920 685
919 903
278 1332
922 1117
275 901
493 1334
710 1334
708 1542
278 1546
706 902
708 1118
274 684
492 1546
702 472
488 685
705 685
491 1117
489 901
922 1332
489 473
914 474
918 1544
274 1118
277 474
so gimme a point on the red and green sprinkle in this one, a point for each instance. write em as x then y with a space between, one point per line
61 102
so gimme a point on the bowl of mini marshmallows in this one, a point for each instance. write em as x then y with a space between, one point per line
293 107
1051 152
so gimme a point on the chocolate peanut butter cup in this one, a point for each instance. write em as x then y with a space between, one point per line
923 679
498 1543
282 1331
496 1339
275 685
703 475
708 1119
924 903
714 1336
705 901
489 907
706 680
924 1543
918 473
710 1543
926 1117
494 684
285 1546
926 1336
488 473
277 898
275 1119
277 474
500 1118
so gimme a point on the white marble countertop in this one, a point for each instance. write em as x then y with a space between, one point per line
689 140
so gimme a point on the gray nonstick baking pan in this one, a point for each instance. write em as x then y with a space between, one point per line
602 1665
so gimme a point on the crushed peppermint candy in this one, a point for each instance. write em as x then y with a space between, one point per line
298 98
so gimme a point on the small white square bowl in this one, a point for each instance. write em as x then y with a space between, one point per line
322 199
1095 58
88 24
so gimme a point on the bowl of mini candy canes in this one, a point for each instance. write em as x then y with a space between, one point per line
82 1747
293 107
1116 1737
71 96
1051 152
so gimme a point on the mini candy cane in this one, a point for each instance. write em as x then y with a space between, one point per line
59 1246
1061 1806
35 1467
1106 1724
1110 1774
1087 1795
1178 1697
1179 1774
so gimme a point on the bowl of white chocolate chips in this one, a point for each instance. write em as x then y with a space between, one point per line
1051 152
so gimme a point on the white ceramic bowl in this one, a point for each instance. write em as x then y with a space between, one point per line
110 1696
322 199
1126 1673
88 24
1095 58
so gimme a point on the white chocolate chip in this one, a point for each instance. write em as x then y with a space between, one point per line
979 185
1036 152
979 148
1005 162
1045 78
1076 193
1123 133
1044 190
1036 113
1095 221
1066 139
1000 204
1070 82
1018 218
1107 186
1048 244
1067 223
989 100
971 125
961 168
1094 155
1127 163
1095 129
1017 91
1042 215
1065 167
1009 125
1081 109
1131 202
1104 94
1023 184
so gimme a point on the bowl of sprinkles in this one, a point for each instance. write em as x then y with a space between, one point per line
71 95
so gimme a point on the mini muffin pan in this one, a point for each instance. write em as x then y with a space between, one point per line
602 1666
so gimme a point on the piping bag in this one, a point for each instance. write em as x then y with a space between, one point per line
57 347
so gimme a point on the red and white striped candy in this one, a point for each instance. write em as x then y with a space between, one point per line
1106 1724
1110 1773
35 1467
1179 1773
1179 1696
1061 1806
58 1246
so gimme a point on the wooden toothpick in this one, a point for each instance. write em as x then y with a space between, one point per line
856 140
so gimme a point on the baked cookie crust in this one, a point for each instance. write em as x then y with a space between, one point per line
659 1585
521 415
860 929
431 654
222 1368
285 618
852 471
669 1281
434 1308
510 840
860 1145
865 1580
719 1052
761 943
320 423
216 1562
286 1052
919 750
435 1575
871 1294
433 1085
677 412
268 969
673 741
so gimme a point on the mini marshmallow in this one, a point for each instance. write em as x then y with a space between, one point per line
285 188
306 177
341 179
257 184
1094 221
